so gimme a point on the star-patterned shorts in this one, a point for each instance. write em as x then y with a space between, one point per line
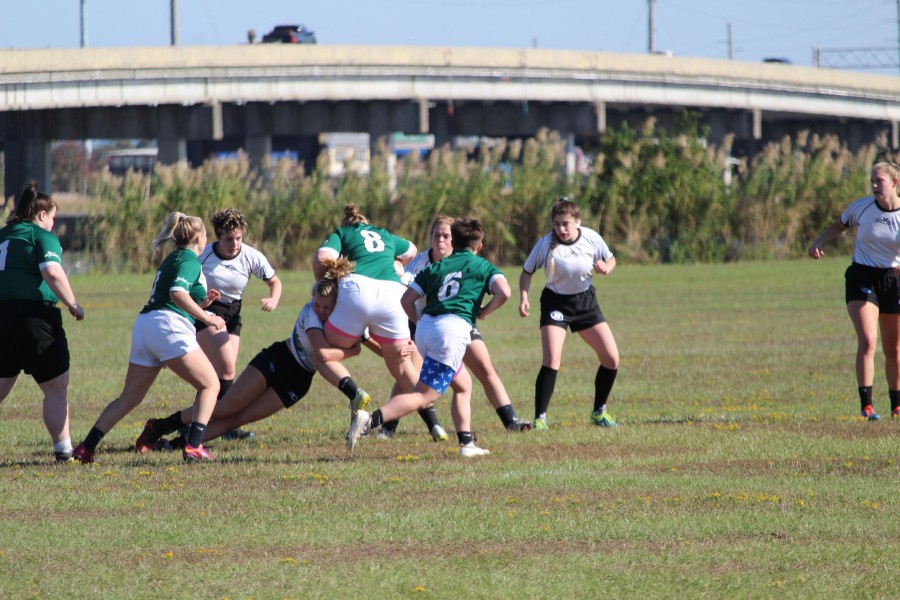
437 375
443 338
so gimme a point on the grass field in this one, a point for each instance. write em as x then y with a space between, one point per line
740 469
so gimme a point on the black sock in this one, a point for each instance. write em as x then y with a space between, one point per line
377 419
895 399
464 437
168 425
93 439
348 387
224 386
195 437
429 417
507 415
865 396
603 383
390 425
543 391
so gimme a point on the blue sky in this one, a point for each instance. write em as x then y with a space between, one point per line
760 28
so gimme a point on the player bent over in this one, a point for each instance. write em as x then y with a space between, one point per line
453 289
277 378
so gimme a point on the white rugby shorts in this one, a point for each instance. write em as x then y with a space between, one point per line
444 339
365 302
161 335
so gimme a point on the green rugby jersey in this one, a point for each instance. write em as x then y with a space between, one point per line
179 271
24 247
456 285
373 249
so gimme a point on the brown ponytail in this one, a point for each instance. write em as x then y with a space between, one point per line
30 204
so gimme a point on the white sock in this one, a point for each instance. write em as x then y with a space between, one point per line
63 446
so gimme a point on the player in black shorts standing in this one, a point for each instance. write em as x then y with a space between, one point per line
32 339
872 289
570 255
228 264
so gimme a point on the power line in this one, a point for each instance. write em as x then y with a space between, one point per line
869 57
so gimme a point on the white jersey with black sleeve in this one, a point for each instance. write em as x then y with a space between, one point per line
573 264
421 262
231 276
877 233
299 343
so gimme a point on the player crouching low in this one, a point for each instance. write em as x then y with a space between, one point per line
453 289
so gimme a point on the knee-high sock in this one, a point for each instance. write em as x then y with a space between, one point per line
543 391
603 384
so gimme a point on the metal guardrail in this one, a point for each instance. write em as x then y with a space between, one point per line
42 79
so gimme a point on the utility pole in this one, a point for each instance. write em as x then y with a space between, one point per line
84 24
174 21
651 26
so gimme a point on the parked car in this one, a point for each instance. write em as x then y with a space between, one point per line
290 34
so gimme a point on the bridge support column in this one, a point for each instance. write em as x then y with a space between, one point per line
571 158
172 150
379 121
895 135
257 134
424 125
757 124
600 110
26 154
258 146
218 127
172 146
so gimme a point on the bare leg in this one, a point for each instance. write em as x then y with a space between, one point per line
404 370
552 340
600 338
221 350
478 360
461 405
332 371
890 344
864 316
196 370
264 405
404 404
56 407
138 380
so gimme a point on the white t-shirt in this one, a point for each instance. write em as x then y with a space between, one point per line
877 233
231 276
573 263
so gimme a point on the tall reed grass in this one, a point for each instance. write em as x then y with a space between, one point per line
657 196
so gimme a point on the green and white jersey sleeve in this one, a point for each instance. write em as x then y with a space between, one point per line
179 271
25 251
456 285
373 249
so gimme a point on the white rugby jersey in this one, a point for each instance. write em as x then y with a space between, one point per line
421 261
877 233
231 276
573 263
299 340
418 263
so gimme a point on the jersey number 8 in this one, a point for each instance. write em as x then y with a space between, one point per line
373 241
